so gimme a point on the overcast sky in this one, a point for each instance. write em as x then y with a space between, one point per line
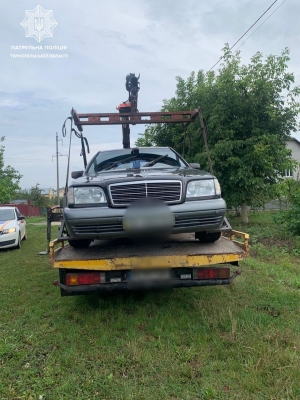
160 39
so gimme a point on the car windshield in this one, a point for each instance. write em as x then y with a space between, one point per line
135 158
6 214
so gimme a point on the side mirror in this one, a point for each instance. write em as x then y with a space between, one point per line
21 218
76 174
195 165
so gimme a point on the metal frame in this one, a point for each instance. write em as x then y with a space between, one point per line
55 214
185 117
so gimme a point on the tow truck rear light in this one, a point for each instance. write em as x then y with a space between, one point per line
85 278
211 273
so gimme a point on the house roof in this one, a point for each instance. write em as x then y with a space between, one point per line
293 139
45 190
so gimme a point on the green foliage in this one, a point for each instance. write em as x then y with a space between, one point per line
9 178
250 111
284 191
36 198
21 194
144 141
290 218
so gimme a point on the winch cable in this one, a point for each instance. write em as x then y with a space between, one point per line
84 146
64 133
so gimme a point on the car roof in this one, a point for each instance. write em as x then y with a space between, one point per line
7 208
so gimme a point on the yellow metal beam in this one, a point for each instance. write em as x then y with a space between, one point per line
155 262
176 261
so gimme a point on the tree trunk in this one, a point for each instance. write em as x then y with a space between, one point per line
244 212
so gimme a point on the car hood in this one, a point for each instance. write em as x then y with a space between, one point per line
146 173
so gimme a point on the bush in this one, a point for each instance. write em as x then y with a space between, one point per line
290 218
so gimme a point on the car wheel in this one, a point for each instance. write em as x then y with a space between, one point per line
79 244
18 246
25 236
208 237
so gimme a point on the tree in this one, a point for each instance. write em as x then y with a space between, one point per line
21 194
289 218
36 198
286 191
9 178
250 112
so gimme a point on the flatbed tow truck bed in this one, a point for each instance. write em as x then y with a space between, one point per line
181 261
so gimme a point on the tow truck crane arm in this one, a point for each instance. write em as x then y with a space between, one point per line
129 114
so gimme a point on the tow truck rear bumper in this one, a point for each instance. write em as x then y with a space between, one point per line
137 286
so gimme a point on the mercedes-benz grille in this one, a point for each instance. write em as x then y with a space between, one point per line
123 194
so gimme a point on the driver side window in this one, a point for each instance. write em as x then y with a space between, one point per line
18 212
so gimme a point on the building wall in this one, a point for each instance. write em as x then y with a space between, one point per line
294 146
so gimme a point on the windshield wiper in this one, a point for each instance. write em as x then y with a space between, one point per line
149 164
114 164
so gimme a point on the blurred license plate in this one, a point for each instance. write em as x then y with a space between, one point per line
144 276
185 276
149 215
142 222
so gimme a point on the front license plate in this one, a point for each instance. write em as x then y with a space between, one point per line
146 216
140 223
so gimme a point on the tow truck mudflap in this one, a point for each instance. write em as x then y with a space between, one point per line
127 286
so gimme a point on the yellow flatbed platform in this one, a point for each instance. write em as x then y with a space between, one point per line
178 251
109 265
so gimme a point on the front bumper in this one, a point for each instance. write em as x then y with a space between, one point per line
8 240
107 223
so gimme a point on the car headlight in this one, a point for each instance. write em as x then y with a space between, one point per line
86 195
9 230
202 188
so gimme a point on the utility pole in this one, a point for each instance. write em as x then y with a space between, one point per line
57 172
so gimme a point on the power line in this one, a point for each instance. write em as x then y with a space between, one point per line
244 33
253 25
261 24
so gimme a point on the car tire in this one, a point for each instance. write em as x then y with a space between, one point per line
208 237
25 236
79 244
18 246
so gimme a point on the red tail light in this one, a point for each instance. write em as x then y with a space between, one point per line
211 273
85 278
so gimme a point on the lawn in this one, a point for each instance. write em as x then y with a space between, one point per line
233 342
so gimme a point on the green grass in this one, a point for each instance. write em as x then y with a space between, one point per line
235 342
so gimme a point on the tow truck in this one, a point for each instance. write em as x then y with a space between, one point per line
124 264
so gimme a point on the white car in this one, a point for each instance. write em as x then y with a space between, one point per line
12 227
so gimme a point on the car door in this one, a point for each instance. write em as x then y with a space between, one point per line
21 222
